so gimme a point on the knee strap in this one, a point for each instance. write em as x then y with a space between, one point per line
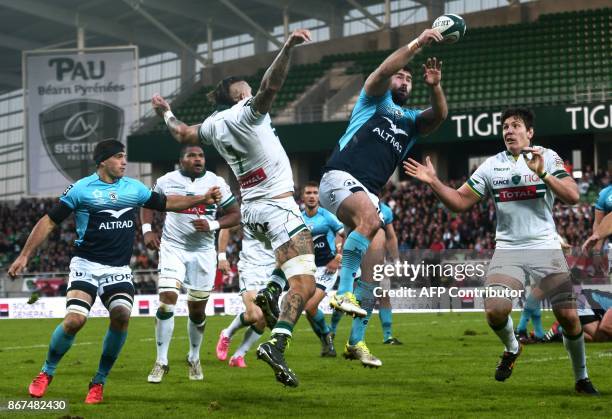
300 265
193 295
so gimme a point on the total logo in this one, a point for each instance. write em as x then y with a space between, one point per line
518 194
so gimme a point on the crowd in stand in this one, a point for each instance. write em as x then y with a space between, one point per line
421 222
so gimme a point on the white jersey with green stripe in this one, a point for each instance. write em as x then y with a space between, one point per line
178 229
247 141
523 202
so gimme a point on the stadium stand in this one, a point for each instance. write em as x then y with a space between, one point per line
552 60
197 106
420 222
545 58
549 60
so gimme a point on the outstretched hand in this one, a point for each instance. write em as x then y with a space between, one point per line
590 243
432 71
429 36
425 173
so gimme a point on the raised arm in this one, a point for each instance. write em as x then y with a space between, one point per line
378 82
276 74
458 200
39 234
431 118
183 133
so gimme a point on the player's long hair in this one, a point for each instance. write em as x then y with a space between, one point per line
221 95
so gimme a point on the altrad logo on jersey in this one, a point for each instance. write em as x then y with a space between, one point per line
114 225
389 137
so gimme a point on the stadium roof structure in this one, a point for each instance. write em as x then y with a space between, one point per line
154 25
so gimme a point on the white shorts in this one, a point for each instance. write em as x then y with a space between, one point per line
96 278
325 280
336 186
528 264
272 221
254 277
195 270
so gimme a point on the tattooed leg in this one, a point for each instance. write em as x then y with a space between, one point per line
301 286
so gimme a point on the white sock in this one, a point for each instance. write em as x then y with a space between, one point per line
163 336
506 335
236 324
196 333
575 349
250 337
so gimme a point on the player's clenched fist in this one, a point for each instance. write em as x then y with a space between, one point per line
299 36
151 240
213 195
159 105
19 265
201 225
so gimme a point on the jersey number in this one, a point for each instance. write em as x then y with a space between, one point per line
236 155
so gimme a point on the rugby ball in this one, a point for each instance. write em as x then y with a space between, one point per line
451 27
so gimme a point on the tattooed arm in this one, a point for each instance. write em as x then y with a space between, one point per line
276 74
183 133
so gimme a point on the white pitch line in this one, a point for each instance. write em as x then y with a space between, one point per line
606 354
46 345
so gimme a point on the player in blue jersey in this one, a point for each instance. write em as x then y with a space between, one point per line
384 303
356 347
603 206
380 134
595 313
327 235
378 137
105 205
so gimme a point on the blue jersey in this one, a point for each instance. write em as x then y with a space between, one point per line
604 202
105 217
596 300
323 226
386 212
377 139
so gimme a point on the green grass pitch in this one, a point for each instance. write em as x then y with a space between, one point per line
445 369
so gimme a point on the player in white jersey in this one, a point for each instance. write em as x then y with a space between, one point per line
257 266
523 181
242 133
187 255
